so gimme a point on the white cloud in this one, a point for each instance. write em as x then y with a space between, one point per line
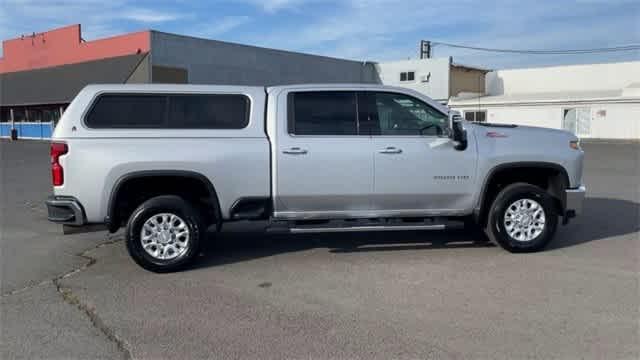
388 30
273 6
149 16
358 29
218 27
363 30
98 17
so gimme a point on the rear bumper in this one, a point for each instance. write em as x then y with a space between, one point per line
65 210
575 199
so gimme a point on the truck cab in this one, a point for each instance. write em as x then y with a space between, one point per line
361 152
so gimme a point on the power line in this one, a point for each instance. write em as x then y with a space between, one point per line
630 47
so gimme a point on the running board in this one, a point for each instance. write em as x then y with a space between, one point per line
353 225
302 230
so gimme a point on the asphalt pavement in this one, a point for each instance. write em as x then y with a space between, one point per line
409 295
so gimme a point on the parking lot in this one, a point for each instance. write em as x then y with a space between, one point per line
410 295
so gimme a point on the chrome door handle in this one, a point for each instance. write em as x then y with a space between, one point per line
294 151
390 150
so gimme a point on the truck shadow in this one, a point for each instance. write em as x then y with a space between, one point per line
243 243
602 219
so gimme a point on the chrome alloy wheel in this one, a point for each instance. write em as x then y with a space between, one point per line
165 236
524 220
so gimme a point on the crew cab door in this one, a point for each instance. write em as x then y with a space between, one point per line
322 168
417 170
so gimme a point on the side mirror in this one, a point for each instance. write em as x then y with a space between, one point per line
454 115
459 134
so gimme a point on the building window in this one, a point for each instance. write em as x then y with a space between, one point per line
31 114
19 115
407 76
4 114
577 120
477 116
50 115
35 115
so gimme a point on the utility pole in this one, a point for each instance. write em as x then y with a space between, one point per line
425 49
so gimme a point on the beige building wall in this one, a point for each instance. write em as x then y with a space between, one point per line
140 74
169 75
463 79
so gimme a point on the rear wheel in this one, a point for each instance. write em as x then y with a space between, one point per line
163 234
523 218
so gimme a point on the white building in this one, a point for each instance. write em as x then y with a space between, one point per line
440 79
593 101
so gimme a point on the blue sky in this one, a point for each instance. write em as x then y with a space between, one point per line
375 30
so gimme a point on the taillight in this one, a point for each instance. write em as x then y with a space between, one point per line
57 173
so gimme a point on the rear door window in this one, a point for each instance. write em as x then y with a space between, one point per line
322 113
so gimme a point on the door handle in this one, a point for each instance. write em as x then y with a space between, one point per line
390 150
294 151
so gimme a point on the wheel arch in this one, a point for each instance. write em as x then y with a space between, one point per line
113 222
556 186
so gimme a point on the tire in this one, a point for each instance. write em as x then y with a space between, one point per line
514 220
168 246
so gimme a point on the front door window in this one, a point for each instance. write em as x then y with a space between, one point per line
398 114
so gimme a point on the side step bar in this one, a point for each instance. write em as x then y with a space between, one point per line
302 230
353 225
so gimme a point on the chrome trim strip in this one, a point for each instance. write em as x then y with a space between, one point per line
367 228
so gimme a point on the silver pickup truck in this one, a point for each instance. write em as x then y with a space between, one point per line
171 162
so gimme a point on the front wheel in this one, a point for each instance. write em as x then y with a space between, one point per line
523 218
163 234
